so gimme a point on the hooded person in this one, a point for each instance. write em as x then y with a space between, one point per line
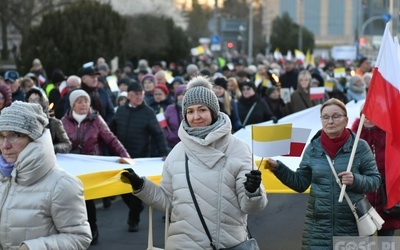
59 137
221 165
41 195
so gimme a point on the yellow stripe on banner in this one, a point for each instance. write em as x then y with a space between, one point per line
107 183
272 133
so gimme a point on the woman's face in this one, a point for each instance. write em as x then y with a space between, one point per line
274 95
122 101
368 123
198 116
333 121
2 101
304 82
218 90
34 98
231 85
148 85
247 91
81 105
11 144
159 95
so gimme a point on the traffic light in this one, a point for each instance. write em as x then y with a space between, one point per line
230 45
362 41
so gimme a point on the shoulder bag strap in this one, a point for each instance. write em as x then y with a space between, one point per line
249 113
352 207
197 205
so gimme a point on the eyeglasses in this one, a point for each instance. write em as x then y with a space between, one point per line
335 117
11 138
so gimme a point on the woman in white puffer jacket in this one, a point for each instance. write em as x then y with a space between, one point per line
220 168
41 206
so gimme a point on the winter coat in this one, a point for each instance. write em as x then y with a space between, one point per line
173 116
217 166
376 139
260 113
95 132
234 117
299 100
325 216
61 142
98 99
134 126
42 206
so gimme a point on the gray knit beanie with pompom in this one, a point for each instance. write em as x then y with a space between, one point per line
199 91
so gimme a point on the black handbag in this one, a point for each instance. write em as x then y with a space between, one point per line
393 211
249 244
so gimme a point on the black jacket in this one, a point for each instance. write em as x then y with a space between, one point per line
135 126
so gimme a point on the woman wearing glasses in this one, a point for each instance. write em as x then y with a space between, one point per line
325 216
42 206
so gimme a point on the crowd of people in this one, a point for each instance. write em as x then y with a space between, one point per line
162 110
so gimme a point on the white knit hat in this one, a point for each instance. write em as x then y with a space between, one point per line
199 91
75 94
25 118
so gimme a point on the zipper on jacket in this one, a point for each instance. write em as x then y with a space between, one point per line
3 201
221 175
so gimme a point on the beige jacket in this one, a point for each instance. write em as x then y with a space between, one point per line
217 166
41 205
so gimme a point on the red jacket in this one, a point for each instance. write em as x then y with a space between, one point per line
376 139
96 133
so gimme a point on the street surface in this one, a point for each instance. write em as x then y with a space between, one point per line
277 227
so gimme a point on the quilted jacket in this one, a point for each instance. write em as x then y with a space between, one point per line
42 205
97 133
325 216
217 166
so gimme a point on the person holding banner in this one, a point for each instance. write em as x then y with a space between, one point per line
219 168
325 216
42 206
88 132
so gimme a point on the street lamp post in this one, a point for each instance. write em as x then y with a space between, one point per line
250 54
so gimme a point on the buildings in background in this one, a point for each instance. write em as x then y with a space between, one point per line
334 22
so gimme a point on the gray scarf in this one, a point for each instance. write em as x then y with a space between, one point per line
202 132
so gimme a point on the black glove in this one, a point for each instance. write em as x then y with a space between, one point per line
132 178
253 181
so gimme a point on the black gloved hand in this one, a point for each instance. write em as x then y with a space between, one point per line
253 181
132 178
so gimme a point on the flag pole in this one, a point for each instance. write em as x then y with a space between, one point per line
252 149
353 152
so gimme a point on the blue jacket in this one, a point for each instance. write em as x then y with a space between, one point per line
325 216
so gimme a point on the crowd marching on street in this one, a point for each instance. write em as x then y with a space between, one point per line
187 114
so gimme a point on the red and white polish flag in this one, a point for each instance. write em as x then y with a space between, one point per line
298 141
317 93
382 107
161 120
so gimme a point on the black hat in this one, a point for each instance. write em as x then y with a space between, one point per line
87 71
249 84
221 81
57 76
135 87
124 80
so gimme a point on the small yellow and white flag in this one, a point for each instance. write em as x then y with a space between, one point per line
199 50
339 72
271 140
